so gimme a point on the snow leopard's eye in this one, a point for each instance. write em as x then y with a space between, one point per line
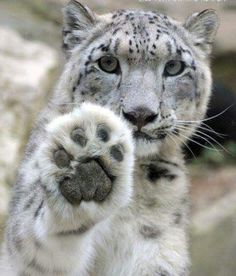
109 64
174 68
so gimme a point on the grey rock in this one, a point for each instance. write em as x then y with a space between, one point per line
26 69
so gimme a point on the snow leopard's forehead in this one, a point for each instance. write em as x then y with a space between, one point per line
140 23
142 36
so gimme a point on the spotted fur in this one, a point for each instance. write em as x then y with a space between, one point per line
90 198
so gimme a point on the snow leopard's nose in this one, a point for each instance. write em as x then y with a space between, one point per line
140 116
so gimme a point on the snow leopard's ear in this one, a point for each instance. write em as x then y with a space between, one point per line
78 21
203 27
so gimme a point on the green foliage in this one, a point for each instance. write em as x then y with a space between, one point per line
217 157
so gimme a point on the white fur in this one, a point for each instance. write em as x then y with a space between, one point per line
133 232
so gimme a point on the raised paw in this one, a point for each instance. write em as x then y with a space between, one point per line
89 155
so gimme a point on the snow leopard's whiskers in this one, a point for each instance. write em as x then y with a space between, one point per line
204 136
192 140
205 127
174 136
200 135
209 118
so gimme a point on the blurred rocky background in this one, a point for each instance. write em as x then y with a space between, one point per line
30 62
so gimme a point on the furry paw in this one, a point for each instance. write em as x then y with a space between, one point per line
88 156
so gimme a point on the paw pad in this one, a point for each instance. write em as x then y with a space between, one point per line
62 159
103 133
116 152
89 182
70 190
78 136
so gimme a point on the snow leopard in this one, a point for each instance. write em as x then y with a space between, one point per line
103 188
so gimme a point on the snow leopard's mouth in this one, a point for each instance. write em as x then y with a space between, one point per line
141 135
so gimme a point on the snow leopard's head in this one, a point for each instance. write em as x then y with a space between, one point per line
148 68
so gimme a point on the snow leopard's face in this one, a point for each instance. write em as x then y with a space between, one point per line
146 67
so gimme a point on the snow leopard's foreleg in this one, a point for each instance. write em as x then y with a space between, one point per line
80 174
